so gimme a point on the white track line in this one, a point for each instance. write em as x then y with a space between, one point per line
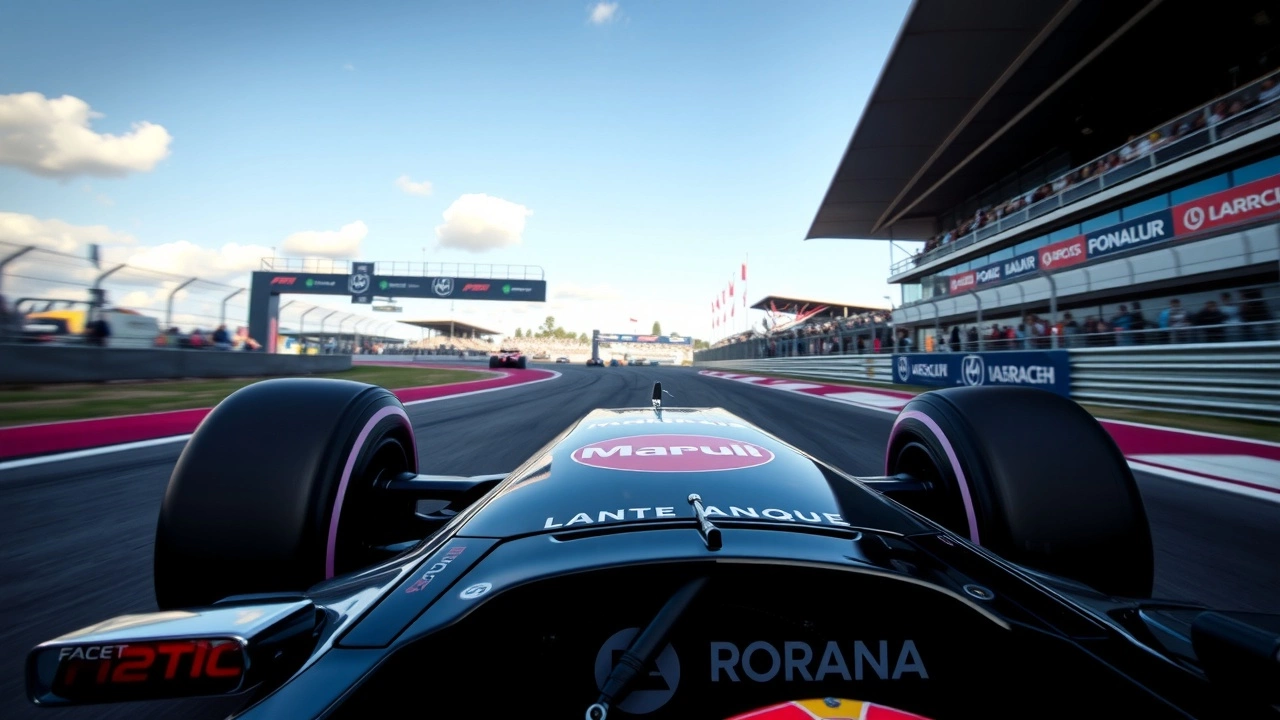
1223 485
140 444
554 375
90 452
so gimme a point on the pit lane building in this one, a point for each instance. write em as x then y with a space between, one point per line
1071 156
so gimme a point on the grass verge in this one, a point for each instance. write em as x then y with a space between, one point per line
1256 430
23 405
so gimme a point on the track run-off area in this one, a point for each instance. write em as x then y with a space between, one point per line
79 527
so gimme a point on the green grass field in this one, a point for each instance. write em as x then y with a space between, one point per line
22 405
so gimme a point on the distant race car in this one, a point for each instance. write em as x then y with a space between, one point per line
661 562
595 362
562 359
639 362
509 359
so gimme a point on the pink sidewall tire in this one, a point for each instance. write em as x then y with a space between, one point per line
1031 476
272 492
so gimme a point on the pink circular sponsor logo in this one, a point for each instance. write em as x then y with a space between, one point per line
672 453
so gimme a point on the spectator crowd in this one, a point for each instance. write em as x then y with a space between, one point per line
1228 316
1138 146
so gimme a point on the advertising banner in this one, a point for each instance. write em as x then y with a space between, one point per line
360 283
307 283
1237 204
460 288
1017 266
1063 254
364 286
1146 229
1044 369
648 339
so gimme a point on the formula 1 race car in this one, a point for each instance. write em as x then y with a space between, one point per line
509 359
662 562
595 362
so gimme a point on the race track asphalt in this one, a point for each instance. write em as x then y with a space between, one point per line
77 534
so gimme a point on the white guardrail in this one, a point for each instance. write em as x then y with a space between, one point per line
1236 380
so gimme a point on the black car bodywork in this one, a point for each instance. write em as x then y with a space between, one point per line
794 580
509 359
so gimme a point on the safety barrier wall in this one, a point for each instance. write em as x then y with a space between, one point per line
876 369
25 364
1238 380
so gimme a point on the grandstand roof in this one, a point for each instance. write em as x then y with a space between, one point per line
451 327
794 306
973 90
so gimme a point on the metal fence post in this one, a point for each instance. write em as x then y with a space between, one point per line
978 299
323 320
302 325
223 317
10 258
168 311
96 291
356 333
1053 307
937 321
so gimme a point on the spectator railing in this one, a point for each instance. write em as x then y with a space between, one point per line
1228 380
1206 126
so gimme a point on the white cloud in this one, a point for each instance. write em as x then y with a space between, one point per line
230 262
52 138
342 243
422 189
349 67
481 222
57 235
604 12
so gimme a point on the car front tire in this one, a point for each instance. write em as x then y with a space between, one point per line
273 490
1031 476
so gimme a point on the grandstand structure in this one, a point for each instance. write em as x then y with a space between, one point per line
1071 172
453 337
783 313
1100 172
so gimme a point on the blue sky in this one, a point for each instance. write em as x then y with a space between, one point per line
638 160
